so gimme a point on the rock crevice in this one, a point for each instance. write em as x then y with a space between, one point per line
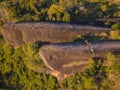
68 58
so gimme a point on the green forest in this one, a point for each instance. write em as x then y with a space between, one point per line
22 68
57 10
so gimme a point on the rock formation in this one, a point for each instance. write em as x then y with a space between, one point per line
62 59
67 58
17 34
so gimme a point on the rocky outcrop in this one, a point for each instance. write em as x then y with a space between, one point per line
67 58
17 34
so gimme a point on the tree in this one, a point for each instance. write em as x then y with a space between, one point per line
58 13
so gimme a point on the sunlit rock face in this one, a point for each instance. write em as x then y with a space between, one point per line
67 58
17 34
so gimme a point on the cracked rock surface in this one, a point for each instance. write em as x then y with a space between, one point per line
67 58
17 34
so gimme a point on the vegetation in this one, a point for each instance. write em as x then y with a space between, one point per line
16 69
115 33
57 10
22 69
19 71
100 76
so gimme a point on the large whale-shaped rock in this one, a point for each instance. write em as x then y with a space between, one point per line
17 34
67 58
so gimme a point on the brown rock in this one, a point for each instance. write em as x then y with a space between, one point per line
67 58
17 34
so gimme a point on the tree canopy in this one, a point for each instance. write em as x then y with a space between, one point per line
57 10
22 69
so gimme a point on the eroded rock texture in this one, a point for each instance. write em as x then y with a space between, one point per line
67 58
16 34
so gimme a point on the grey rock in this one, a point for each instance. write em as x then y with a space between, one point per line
67 58
17 34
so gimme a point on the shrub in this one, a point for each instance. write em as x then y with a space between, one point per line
19 69
115 34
